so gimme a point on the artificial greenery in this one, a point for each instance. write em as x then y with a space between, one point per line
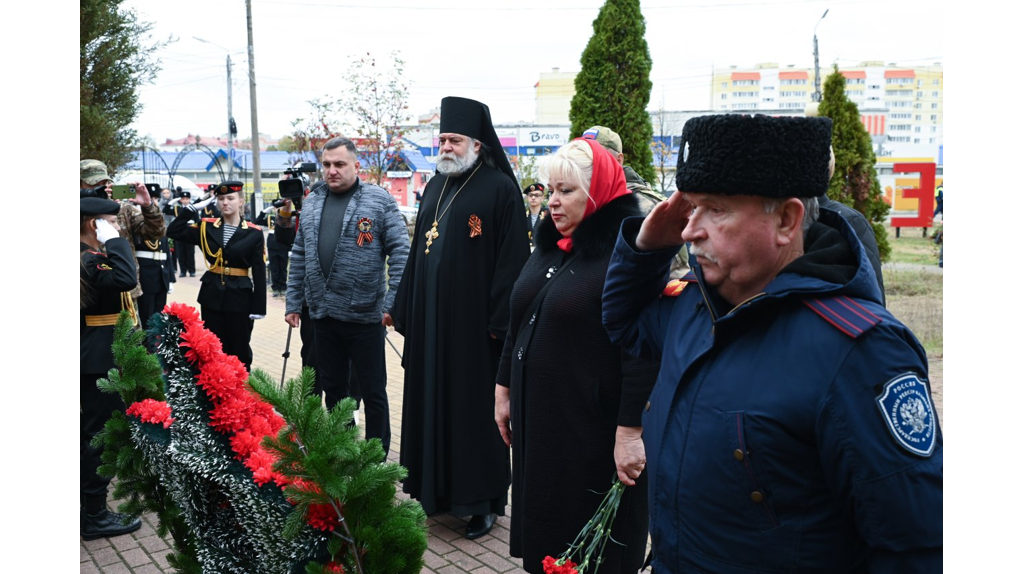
138 486
855 181
243 487
614 84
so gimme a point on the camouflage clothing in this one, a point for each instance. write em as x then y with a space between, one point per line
648 198
140 224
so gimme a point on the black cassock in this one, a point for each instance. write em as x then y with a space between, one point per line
448 305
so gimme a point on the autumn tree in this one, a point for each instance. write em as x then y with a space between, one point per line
115 59
376 107
614 85
311 133
855 181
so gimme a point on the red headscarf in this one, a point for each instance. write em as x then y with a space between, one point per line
607 182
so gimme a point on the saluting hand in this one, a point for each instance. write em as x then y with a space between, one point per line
663 226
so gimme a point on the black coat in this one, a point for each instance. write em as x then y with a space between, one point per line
532 229
450 444
106 277
227 293
576 388
155 275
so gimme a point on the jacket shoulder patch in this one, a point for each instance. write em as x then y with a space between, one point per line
845 314
909 415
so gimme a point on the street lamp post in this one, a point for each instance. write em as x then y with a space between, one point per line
232 128
817 71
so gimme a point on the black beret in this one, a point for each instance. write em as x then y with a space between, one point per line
759 155
227 187
97 206
534 187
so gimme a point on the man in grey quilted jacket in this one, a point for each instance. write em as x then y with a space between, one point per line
350 234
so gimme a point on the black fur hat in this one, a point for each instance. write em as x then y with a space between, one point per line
759 155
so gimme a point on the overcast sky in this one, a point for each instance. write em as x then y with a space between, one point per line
490 50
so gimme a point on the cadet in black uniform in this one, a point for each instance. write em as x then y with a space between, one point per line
234 289
184 251
156 273
107 277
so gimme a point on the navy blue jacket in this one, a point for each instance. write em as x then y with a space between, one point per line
792 433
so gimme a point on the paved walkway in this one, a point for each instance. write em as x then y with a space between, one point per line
448 552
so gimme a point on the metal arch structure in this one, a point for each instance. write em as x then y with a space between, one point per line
155 171
197 147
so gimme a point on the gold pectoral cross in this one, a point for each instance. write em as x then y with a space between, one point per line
431 235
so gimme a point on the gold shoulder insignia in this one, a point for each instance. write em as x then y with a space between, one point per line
674 288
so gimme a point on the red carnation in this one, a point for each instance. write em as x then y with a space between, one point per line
560 566
203 346
244 443
188 314
322 516
333 566
152 411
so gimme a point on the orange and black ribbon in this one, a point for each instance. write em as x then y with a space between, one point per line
474 226
365 225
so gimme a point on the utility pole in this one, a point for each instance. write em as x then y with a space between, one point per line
232 129
257 190
817 71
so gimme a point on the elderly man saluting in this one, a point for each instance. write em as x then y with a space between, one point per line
791 427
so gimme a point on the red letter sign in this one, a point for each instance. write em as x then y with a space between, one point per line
925 194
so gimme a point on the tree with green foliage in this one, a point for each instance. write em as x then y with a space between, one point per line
855 181
614 84
115 59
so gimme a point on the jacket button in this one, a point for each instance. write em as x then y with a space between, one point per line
756 496
647 407
738 454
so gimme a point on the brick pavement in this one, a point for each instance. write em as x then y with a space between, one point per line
448 552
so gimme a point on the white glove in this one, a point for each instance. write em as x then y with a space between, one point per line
255 317
202 204
269 210
105 231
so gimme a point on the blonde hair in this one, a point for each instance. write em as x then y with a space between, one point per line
573 162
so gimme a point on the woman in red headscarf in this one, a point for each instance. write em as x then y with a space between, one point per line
567 400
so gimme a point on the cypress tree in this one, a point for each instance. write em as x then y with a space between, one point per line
855 181
614 84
